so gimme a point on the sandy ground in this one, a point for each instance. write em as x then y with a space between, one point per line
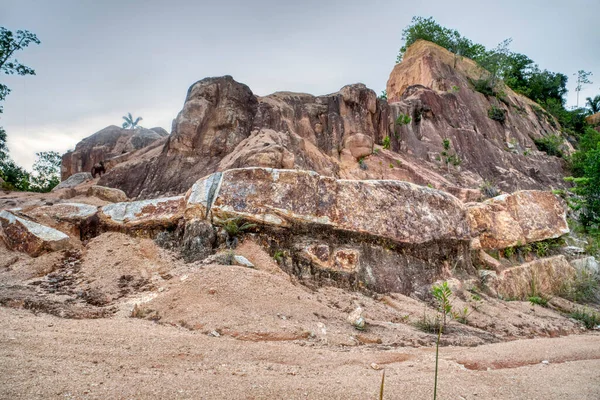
48 357
118 317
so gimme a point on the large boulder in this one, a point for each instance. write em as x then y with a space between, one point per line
398 211
74 180
66 217
104 145
30 237
517 219
108 194
144 217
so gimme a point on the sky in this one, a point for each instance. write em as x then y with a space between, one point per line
99 60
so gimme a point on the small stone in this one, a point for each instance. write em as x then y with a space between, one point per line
356 319
375 366
214 334
545 362
242 262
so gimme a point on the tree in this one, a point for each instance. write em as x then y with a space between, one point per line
10 43
593 104
582 79
428 29
46 171
130 122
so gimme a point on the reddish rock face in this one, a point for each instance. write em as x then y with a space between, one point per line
29 237
399 211
435 89
517 219
110 143
351 134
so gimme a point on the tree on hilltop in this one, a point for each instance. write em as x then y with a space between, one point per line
130 122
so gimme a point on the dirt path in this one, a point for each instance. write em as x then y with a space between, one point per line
42 356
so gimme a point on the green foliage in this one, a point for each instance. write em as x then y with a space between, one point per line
593 104
428 29
130 122
540 301
383 95
46 171
586 168
386 143
278 256
362 164
454 89
589 318
235 226
550 144
509 252
484 86
497 114
449 155
442 293
15 177
403 119
10 43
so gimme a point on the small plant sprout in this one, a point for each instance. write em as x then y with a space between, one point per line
386 143
403 119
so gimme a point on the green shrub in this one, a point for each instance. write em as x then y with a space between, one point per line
550 144
386 142
403 119
484 86
489 190
589 318
497 114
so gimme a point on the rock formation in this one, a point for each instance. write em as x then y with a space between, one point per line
352 134
110 145
436 89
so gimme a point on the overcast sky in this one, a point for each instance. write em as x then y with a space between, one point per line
99 60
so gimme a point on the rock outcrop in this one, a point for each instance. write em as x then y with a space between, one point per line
146 217
351 134
73 180
29 237
109 145
108 194
517 219
399 211
435 88
544 277
66 217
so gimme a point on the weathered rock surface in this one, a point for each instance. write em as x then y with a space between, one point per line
29 237
517 219
435 89
74 180
546 275
109 194
66 217
398 211
104 145
223 125
587 264
145 217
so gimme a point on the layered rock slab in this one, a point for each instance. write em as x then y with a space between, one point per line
66 217
145 217
546 276
517 219
399 211
30 237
